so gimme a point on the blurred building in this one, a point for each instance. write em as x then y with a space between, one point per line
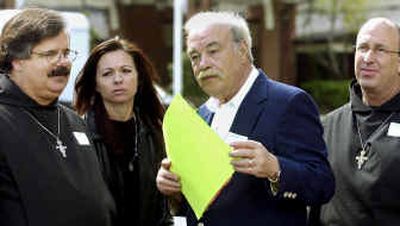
149 23
326 32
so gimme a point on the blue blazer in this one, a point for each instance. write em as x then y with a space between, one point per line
286 121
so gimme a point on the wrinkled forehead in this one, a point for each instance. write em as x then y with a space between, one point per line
379 32
60 41
201 37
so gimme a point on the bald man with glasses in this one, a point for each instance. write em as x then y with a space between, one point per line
363 136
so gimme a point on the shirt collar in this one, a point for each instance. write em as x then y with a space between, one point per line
213 103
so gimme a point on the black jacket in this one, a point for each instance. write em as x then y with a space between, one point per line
153 208
38 187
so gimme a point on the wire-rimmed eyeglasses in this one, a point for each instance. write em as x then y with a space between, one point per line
53 56
363 49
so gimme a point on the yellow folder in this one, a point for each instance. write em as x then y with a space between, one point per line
198 155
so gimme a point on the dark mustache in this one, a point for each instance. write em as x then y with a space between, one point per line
59 71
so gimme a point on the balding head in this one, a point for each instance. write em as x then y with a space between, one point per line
377 60
383 23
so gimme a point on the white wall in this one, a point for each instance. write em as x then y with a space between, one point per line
78 26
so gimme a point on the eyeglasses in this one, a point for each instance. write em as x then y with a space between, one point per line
53 56
378 51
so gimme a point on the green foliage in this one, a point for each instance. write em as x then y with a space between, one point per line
329 94
353 14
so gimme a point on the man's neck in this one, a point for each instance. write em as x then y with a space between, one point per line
242 80
30 91
378 98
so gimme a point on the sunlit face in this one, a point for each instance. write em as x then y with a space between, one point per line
376 67
216 61
116 78
40 78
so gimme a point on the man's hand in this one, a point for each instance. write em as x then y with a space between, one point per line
251 157
167 182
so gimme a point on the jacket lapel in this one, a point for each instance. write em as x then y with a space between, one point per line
251 107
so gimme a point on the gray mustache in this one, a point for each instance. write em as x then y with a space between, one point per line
204 74
59 71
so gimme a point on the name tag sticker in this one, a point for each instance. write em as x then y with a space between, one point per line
180 221
235 137
394 129
81 138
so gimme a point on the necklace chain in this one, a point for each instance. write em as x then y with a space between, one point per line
59 144
362 157
131 165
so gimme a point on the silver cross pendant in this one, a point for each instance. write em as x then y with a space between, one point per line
361 158
61 148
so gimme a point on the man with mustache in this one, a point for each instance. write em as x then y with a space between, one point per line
363 135
49 174
278 151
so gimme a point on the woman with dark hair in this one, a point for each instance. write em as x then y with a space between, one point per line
115 93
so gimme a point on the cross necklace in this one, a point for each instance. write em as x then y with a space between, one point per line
59 144
362 157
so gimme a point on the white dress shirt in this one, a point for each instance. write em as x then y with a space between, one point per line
225 113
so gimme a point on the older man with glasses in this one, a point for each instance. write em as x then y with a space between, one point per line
49 175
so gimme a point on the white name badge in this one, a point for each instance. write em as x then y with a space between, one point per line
180 221
235 137
394 129
81 138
